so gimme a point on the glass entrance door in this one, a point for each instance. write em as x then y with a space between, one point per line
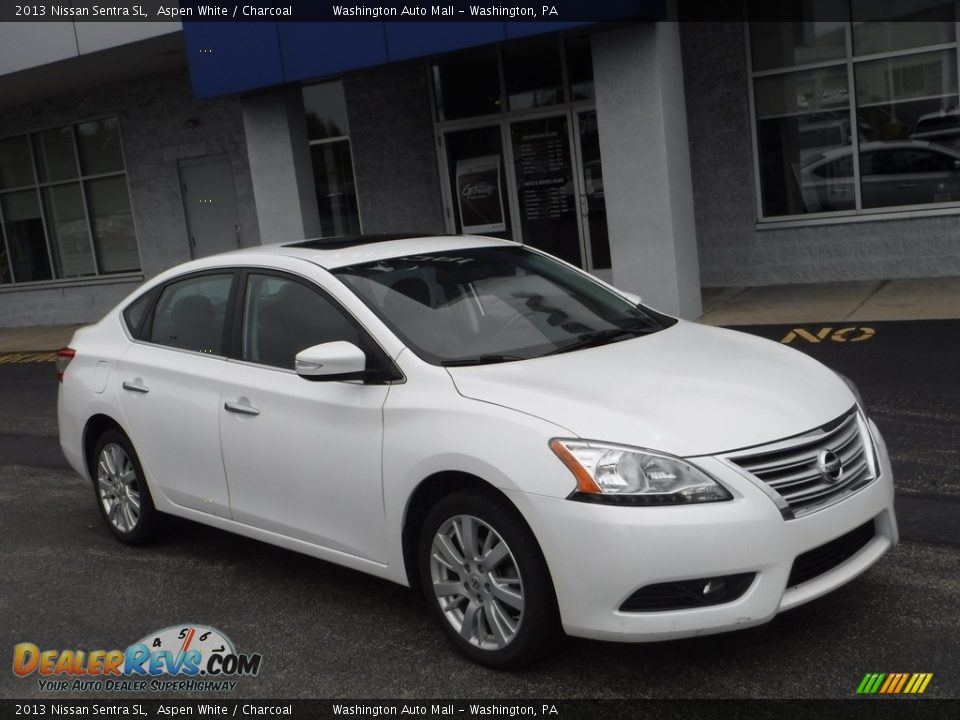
477 181
546 192
593 207
535 179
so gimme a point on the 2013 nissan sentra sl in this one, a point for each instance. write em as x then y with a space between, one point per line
537 451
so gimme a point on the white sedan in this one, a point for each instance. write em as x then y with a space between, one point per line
533 448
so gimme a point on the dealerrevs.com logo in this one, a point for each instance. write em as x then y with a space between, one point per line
179 658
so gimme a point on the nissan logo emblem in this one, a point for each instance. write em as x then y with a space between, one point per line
830 465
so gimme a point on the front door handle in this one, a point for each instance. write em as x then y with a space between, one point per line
240 408
138 388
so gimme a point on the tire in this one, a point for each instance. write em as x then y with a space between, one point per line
503 615
121 492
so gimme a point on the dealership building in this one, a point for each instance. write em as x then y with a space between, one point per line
662 156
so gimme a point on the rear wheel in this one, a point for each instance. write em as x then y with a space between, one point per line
122 494
486 581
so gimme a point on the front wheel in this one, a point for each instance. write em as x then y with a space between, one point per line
486 581
122 494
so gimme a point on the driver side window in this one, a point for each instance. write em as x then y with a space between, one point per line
282 316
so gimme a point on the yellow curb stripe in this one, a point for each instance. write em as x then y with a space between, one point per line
926 681
28 357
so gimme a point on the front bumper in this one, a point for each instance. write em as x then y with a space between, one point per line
599 555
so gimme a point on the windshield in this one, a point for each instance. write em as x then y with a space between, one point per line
494 304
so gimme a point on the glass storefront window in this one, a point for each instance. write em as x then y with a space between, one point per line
23 230
894 144
54 154
786 44
5 276
880 27
328 131
99 145
533 74
800 117
467 84
336 194
16 168
112 223
579 67
326 111
67 227
64 203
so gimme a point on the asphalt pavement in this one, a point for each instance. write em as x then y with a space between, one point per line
325 631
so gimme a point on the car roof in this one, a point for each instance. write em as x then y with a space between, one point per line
341 251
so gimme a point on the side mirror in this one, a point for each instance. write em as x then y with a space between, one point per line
339 360
632 297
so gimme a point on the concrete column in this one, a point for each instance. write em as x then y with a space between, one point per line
276 128
642 121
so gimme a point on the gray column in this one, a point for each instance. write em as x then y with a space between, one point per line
276 130
642 122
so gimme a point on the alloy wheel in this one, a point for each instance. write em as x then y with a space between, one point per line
118 488
477 582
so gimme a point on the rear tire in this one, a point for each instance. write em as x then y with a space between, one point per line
121 491
485 580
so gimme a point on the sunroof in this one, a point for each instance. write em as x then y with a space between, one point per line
338 242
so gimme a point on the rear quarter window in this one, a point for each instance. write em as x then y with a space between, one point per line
135 313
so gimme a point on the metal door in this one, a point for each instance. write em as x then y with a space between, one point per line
210 203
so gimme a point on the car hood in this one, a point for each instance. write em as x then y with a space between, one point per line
688 390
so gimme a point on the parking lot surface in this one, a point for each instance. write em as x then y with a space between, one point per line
325 631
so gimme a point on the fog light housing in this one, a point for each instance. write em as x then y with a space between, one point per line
687 594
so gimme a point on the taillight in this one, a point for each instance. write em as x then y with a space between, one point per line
64 356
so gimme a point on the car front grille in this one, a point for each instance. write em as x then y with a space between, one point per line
792 468
816 562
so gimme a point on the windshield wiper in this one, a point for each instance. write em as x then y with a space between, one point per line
481 360
602 337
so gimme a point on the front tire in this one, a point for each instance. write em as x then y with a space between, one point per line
486 581
122 493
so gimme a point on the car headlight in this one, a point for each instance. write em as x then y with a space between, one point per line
853 388
622 475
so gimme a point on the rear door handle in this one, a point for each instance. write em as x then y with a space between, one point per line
241 408
906 186
138 388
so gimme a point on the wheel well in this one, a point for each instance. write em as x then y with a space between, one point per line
428 493
96 426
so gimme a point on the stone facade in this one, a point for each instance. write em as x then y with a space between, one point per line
394 149
160 124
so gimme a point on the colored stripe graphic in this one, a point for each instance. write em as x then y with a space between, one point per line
894 683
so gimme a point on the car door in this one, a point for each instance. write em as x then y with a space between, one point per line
302 457
169 390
